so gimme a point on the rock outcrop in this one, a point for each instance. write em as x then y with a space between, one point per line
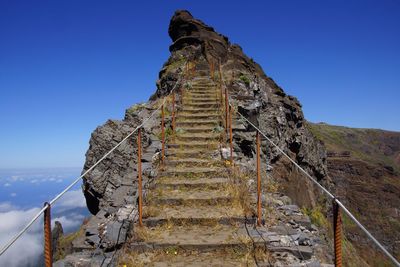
110 189
258 98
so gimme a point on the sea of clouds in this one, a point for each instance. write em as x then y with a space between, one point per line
70 210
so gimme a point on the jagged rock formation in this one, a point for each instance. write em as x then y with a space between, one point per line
258 97
111 188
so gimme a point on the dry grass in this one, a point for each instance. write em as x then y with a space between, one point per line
173 254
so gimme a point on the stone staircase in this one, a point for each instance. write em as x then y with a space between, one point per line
193 214
199 211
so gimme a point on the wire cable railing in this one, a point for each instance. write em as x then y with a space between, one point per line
335 200
47 205
338 205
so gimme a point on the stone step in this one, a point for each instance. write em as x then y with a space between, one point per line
190 152
192 171
214 119
196 110
214 137
202 88
178 163
199 120
179 183
203 84
194 259
193 162
200 98
205 105
201 94
184 124
185 144
197 129
204 115
198 116
194 215
202 103
203 74
194 238
211 101
188 197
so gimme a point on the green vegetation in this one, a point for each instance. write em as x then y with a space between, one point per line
317 216
370 145
135 108
64 246
218 129
168 133
351 258
176 64
244 79
179 131
188 85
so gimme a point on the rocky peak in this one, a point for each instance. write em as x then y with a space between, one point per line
257 97
111 188
185 30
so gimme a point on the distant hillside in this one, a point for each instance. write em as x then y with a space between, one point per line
372 145
364 165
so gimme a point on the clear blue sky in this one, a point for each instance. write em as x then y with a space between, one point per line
68 66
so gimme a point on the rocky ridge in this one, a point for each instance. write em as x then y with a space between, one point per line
111 189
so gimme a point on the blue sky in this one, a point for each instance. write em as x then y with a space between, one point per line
68 66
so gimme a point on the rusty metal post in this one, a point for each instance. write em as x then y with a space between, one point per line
221 96
48 250
139 144
182 94
212 69
230 134
258 181
220 70
173 112
220 82
337 232
162 136
226 110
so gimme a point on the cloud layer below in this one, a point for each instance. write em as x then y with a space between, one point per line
29 247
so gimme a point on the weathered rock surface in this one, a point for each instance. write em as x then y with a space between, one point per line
111 187
259 99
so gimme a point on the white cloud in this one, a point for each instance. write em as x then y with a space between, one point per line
16 178
6 206
7 184
70 222
72 199
13 194
27 249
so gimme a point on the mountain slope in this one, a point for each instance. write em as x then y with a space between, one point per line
364 166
